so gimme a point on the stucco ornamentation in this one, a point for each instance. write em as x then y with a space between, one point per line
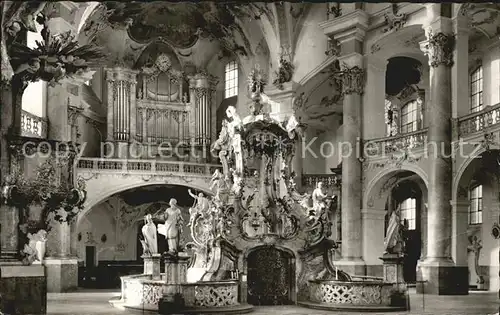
353 80
439 49
394 19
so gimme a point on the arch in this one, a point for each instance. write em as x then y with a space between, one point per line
375 184
404 43
87 13
114 189
464 174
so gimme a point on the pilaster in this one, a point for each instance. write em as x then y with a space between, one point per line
459 241
374 98
373 235
460 69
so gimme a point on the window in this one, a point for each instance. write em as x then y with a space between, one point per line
409 116
33 99
231 82
408 211
476 90
476 205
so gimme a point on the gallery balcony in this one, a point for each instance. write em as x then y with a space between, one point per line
33 126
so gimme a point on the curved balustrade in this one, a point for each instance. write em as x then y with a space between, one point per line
479 121
211 294
146 166
357 293
141 292
33 126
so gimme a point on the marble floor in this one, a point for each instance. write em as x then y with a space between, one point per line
96 302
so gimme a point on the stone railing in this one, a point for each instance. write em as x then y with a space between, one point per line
33 126
146 166
479 121
328 180
211 294
398 143
356 293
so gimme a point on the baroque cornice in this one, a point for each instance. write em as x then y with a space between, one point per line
353 24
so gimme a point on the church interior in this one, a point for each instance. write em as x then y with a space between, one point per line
254 157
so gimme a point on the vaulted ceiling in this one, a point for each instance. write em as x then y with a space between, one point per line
127 28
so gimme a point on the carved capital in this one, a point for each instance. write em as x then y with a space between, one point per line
439 49
353 80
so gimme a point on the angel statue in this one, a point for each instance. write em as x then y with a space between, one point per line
35 249
172 228
319 198
234 126
218 182
201 203
222 145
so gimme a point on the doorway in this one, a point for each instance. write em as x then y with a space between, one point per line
271 276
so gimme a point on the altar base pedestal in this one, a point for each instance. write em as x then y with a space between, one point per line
175 274
152 266
393 273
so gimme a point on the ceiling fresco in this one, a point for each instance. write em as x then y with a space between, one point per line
484 18
180 24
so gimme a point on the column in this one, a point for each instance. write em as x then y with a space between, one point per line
438 270
352 77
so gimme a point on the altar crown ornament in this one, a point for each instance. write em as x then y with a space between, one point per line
256 81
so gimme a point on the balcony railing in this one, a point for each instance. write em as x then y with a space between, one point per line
398 143
146 166
328 180
479 121
33 126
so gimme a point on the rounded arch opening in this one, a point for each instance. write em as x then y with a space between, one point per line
107 237
404 191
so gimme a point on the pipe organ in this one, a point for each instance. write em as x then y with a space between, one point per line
121 104
202 87
154 107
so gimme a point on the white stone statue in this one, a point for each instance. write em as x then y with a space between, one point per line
35 249
201 203
318 197
393 239
172 229
150 236
217 183
234 126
